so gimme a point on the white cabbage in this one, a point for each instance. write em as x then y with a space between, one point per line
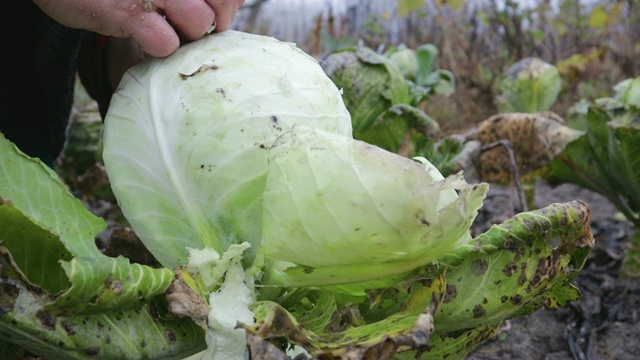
243 138
187 137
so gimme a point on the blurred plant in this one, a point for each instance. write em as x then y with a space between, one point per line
606 158
531 85
383 91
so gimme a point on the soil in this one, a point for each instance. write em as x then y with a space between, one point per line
603 323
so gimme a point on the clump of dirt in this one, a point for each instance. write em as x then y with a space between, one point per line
603 323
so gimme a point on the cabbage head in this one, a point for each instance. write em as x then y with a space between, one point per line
531 85
241 138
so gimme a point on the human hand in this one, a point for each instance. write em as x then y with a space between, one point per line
156 25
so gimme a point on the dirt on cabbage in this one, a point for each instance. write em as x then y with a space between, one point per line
603 323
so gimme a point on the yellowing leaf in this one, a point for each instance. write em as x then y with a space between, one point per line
407 6
598 18
454 4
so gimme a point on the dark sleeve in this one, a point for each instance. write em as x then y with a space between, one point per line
38 70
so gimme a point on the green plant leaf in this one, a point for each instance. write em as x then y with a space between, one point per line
146 332
371 84
604 160
61 295
390 130
516 267
43 224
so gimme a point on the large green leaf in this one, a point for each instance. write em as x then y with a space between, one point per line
148 331
44 226
604 160
59 295
516 267
371 84
513 269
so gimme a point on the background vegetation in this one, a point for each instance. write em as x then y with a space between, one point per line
594 43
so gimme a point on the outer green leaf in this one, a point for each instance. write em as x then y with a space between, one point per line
516 267
513 269
35 190
142 333
406 60
392 127
408 328
454 346
392 213
43 224
426 54
36 250
371 84
101 284
604 160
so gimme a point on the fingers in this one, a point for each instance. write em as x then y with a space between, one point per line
153 33
225 12
190 18
159 28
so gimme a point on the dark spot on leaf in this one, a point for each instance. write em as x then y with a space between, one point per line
8 295
478 311
171 337
92 351
508 244
427 282
479 267
517 299
504 299
274 121
510 269
47 319
450 293
143 344
68 327
523 274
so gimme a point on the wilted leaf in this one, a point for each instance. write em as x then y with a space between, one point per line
516 267
409 327
536 139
